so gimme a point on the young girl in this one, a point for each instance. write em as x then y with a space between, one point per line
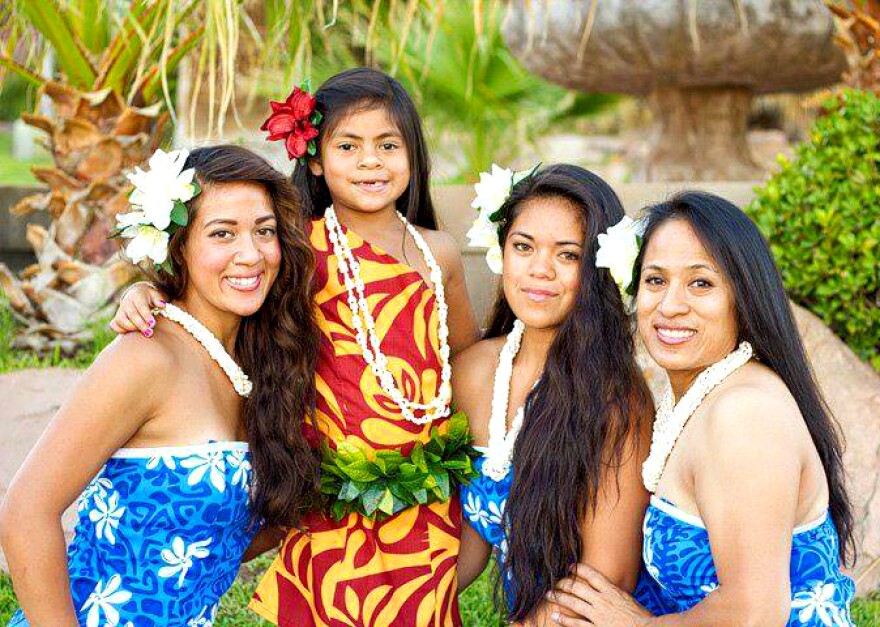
163 526
392 307
566 426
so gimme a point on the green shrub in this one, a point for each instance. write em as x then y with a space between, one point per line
821 214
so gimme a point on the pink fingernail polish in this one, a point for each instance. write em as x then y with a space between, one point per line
152 322
148 333
162 302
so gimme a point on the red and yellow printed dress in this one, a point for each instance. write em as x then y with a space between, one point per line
401 571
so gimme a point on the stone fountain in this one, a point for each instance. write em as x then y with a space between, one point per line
698 63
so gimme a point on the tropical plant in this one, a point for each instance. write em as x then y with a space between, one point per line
469 84
451 57
115 60
819 213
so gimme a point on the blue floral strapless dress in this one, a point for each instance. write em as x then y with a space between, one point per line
483 501
679 571
160 536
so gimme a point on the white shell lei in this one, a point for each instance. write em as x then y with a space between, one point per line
500 450
365 330
670 421
240 381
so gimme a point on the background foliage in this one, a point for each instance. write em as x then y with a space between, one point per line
821 214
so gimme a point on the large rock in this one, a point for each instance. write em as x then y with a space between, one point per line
852 391
30 399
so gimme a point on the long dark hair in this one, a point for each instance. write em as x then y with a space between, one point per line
589 400
364 89
765 320
276 346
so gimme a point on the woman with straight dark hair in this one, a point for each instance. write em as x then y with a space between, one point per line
566 428
749 522
180 447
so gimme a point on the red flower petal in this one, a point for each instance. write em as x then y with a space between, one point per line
281 123
301 104
296 146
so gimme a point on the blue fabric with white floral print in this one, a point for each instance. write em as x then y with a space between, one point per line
160 536
679 571
483 501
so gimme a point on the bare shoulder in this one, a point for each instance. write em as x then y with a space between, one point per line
753 408
473 371
478 359
132 357
444 247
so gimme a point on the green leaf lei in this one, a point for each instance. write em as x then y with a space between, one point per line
390 482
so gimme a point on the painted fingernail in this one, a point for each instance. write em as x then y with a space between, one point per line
148 333
152 322
162 303
555 616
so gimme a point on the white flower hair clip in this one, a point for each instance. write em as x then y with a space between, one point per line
492 190
158 207
618 249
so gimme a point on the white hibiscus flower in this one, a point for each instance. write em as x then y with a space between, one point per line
205 618
165 183
147 242
166 460
106 515
211 463
496 511
237 460
709 588
180 558
104 601
818 601
618 249
99 485
473 509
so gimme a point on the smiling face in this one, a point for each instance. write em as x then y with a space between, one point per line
364 162
685 305
232 253
542 260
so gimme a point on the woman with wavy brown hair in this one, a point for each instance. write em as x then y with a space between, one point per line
180 447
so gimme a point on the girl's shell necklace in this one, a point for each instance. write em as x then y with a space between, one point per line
365 325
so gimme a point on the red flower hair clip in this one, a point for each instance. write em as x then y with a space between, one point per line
295 121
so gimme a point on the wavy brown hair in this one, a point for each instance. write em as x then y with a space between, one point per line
588 402
276 346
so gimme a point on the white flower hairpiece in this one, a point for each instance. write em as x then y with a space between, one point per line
157 206
492 191
618 250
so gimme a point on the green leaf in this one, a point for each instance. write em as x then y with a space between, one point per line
349 491
421 495
316 117
179 214
312 148
50 19
386 504
370 500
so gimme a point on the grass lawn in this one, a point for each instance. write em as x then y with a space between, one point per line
17 360
14 171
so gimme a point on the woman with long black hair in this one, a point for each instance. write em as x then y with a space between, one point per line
569 406
749 521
